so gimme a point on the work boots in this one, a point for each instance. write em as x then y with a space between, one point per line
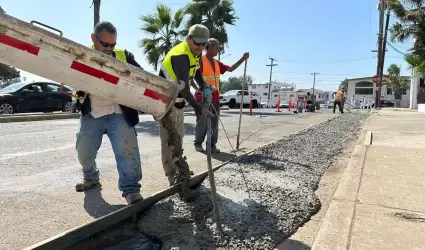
85 185
199 148
132 198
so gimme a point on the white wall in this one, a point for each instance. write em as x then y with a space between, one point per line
384 95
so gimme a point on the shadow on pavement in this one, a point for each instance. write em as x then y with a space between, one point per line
292 245
223 156
152 128
95 205
193 114
262 113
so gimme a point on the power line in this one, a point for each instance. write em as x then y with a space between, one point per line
330 62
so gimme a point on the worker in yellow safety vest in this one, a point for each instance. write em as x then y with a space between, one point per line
181 64
339 99
211 70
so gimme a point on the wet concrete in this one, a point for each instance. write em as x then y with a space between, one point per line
264 197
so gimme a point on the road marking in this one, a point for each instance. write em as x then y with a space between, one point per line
11 156
40 132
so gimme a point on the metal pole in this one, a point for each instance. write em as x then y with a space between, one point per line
384 47
270 80
211 177
241 106
314 81
378 66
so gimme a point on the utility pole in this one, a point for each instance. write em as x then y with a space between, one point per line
271 72
384 46
381 8
96 11
314 80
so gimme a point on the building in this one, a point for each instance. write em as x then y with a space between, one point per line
320 95
359 88
262 90
417 93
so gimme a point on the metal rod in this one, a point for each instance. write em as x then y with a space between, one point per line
241 106
211 177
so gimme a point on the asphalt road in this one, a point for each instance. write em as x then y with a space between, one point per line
39 169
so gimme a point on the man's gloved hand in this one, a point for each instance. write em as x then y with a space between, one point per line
206 112
207 93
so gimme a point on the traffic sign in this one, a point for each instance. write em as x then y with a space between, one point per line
375 79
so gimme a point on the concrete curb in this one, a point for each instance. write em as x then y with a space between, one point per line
335 229
37 117
368 138
74 235
46 117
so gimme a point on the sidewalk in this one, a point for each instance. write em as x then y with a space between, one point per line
380 201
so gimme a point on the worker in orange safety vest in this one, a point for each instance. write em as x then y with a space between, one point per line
211 70
339 100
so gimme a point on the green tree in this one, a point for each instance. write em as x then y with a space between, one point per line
397 82
235 83
8 74
164 31
214 14
410 24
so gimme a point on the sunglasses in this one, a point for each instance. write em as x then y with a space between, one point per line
105 44
198 44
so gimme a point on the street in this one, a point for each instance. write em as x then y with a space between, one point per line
40 169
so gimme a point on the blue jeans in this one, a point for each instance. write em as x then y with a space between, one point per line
124 144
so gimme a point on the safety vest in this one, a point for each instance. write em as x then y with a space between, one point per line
212 76
310 98
339 95
167 68
119 54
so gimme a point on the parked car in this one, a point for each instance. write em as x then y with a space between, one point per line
265 104
385 103
233 99
285 104
35 97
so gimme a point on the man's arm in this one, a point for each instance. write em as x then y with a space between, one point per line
181 67
238 63
199 80
131 60
194 85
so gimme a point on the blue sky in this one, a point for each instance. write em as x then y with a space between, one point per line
332 37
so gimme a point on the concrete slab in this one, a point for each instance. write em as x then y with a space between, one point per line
394 177
378 228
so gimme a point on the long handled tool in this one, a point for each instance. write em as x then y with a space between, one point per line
212 180
241 106
207 95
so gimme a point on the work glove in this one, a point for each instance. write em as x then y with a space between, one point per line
207 93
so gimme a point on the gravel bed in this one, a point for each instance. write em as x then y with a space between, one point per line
264 197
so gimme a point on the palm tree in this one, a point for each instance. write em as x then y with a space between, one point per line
410 24
214 14
164 31
96 11
397 82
